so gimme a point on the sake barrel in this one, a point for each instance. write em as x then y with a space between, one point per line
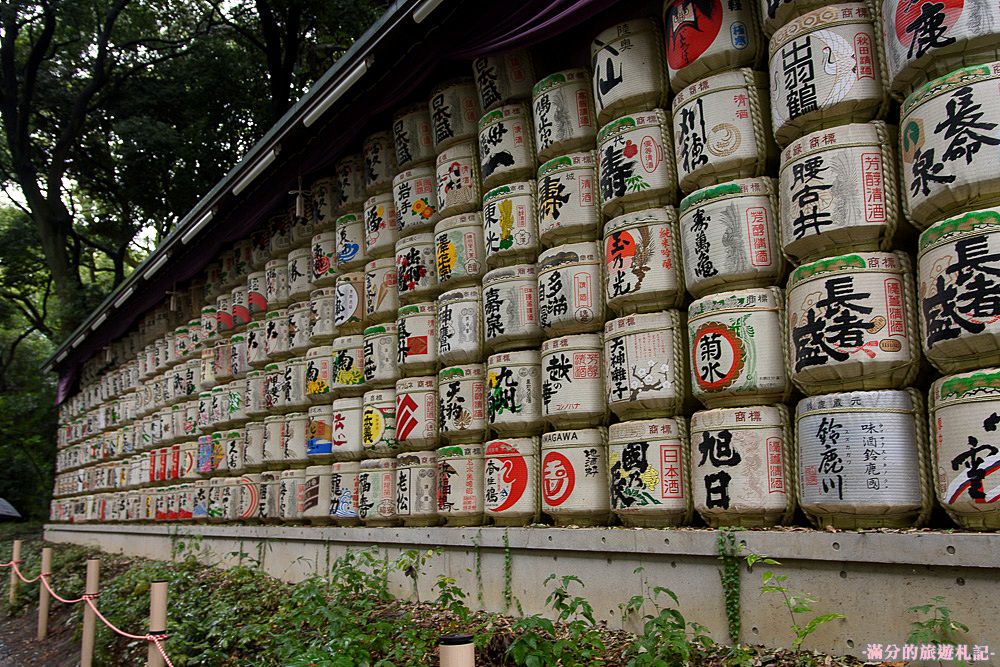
377 492
323 312
563 113
212 286
412 136
838 192
460 326
570 298
281 235
506 145
417 413
644 369
414 194
223 364
349 304
416 488
381 295
246 499
963 411
381 226
708 38
348 365
649 472
276 334
510 224
378 422
290 498
344 492
350 183
573 381
295 443
316 494
635 163
461 392
924 40
567 200
416 268
776 13
510 481
270 491
319 443
949 129
319 373
379 153
641 267
460 484
574 481
502 77
457 179
260 250
236 403
959 319
324 259
454 110
301 221
350 230
299 327
233 442
417 345
825 70
346 416
257 295
322 197
737 349
223 326
629 72
722 129
276 283
510 307
381 349
514 393
851 323
459 253
253 449
863 459
275 397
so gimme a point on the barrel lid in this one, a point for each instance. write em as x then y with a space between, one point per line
585 160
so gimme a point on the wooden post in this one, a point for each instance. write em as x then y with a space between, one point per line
457 650
89 619
43 594
13 575
157 620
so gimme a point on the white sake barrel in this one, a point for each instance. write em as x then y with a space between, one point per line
205 421
294 444
257 294
506 145
377 492
381 295
573 381
348 365
776 13
319 373
227 275
635 163
347 413
412 136
417 346
510 308
458 187
957 268
223 326
741 466
460 326
233 442
319 444
649 472
416 488
737 353
414 193
239 359
223 364
417 413
460 484
182 341
454 110
290 498
350 229
378 422
302 224
838 192
851 323
629 71
510 481
641 261
574 477
270 493
459 253
708 38
275 283
461 394
379 153
323 309
863 459
299 327
563 113
567 199
350 184
324 259
236 403
416 268
281 235
260 251
510 225
316 494
514 393
248 498
344 493
722 129
253 446
949 131
501 77
570 298
825 70
349 307
255 406
644 369
963 416
381 226
240 312
322 196
381 350
275 395
275 334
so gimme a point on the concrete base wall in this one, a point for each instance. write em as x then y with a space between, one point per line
872 578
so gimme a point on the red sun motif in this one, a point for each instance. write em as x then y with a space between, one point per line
908 13
558 479
691 27
619 250
514 472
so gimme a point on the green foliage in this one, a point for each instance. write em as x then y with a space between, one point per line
938 627
452 597
730 577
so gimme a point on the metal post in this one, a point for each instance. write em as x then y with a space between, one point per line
89 620
43 594
13 575
157 620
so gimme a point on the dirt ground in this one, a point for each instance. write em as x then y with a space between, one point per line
19 648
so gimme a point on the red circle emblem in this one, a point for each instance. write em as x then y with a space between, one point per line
908 13
691 27
558 479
